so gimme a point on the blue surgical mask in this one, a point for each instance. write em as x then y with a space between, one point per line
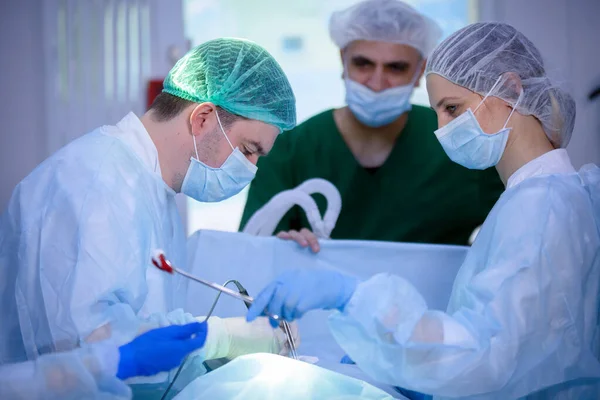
207 184
467 144
376 109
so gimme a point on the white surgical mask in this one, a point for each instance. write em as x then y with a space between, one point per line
377 109
467 144
207 184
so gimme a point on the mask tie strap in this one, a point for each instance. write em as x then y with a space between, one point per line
488 94
195 147
513 109
223 130
417 73
345 67
194 138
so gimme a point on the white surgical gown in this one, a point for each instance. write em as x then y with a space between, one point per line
82 374
523 315
76 244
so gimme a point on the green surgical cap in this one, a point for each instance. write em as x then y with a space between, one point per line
238 76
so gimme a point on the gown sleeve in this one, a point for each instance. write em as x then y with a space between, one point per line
92 249
109 283
514 323
84 373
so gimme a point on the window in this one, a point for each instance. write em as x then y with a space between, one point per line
296 33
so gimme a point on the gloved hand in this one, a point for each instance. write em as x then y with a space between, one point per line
160 349
234 337
294 293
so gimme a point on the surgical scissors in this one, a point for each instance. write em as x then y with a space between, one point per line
161 262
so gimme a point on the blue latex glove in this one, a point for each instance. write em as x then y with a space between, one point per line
160 349
294 293
409 394
346 360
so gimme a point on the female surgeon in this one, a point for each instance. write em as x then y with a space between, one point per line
522 320
97 371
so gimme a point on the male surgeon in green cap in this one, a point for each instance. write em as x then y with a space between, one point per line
80 230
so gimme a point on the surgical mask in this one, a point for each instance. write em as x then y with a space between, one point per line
467 144
377 109
207 184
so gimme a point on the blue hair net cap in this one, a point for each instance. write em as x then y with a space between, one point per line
237 75
476 56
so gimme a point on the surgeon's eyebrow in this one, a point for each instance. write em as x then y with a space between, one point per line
443 100
398 65
361 60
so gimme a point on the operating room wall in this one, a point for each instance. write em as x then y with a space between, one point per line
69 66
567 33
21 128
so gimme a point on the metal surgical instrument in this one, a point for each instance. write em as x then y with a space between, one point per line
161 262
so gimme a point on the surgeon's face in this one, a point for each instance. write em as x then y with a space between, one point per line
253 138
450 100
381 65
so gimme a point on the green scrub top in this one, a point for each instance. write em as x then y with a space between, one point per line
417 195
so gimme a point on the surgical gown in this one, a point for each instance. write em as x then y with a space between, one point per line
76 244
82 374
523 315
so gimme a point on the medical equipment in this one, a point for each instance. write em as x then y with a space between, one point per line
265 220
161 262
215 362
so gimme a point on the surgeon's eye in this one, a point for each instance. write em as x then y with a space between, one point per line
362 63
246 151
451 109
398 67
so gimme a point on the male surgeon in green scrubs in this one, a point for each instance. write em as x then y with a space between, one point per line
396 182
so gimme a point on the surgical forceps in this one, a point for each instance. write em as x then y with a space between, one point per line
162 263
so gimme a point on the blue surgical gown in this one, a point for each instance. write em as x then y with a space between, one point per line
76 245
522 320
